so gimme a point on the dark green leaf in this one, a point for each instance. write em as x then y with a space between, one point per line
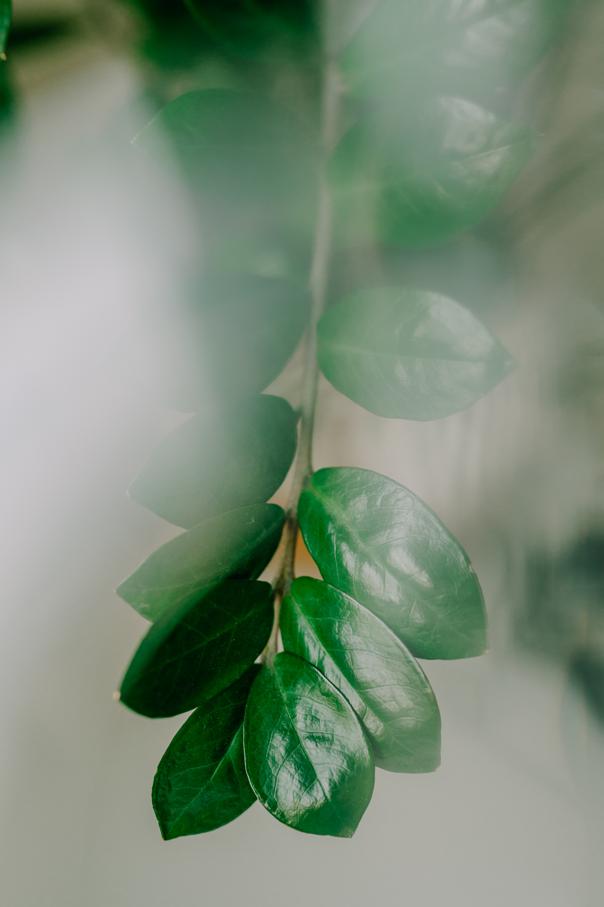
238 543
418 178
201 782
305 753
191 655
444 44
245 28
211 464
373 539
5 20
229 336
376 673
409 354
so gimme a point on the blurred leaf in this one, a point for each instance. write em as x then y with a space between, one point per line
409 354
378 676
450 45
246 27
6 12
201 782
587 672
228 336
305 754
218 462
238 543
195 652
374 540
236 150
418 178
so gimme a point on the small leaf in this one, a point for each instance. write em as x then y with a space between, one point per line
228 335
409 354
374 540
215 463
238 543
378 676
201 782
6 13
431 172
305 754
191 655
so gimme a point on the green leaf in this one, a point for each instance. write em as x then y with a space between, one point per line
420 177
409 354
217 462
478 45
376 673
374 540
191 655
238 543
236 150
6 13
305 753
245 28
228 336
201 782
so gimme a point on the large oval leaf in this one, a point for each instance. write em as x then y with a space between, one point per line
193 654
375 540
201 782
238 543
419 177
409 354
227 336
477 45
376 673
215 463
305 754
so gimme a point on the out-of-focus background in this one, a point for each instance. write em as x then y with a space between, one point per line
516 813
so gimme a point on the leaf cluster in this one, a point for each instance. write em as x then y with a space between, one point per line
303 730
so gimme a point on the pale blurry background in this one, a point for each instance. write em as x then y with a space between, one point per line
516 813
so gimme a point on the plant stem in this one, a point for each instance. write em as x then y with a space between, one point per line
319 281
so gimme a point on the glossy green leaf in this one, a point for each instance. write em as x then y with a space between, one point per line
192 654
6 13
305 753
201 782
409 354
235 149
238 543
228 336
420 176
376 673
214 463
376 541
443 44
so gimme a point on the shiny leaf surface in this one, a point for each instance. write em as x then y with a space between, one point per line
419 177
201 782
376 673
434 45
238 543
191 655
216 463
409 354
228 336
305 753
376 541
